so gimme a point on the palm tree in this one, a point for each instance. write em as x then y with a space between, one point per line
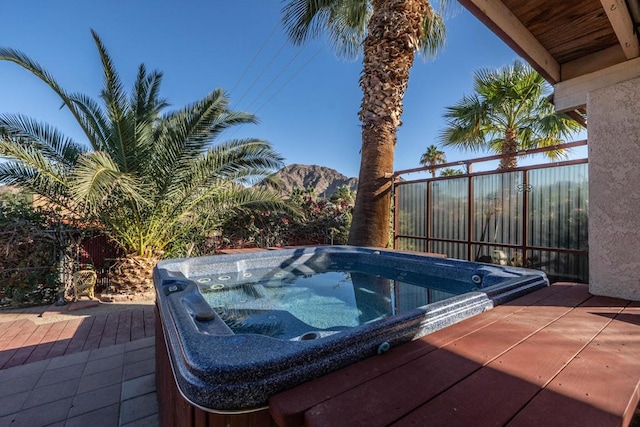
432 157
389 32
450 172
508 112
144 177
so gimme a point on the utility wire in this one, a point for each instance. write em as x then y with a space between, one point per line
289 80
277 76
264 43
262 72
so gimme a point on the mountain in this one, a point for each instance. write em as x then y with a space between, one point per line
323 179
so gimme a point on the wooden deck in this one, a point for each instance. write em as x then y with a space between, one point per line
556 357
24 341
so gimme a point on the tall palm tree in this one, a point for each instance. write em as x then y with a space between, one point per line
508 112
432 157
143 176
388 32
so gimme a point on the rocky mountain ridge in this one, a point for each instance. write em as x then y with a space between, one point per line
323 179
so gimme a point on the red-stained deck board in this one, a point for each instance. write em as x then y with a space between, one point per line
98 327
15 329
62 345
25 343
558 356
81 335
149 322
111 330
123 334
515 377
137 324
48 340
601 385
8 329
288 407
390 399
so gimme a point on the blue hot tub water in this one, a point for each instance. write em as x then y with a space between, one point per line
292 304
241 328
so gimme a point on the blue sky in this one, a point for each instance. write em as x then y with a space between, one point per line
306 99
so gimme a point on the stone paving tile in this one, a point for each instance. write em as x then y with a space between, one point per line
138 386
150 421
101 353
13 403
100 379
68 360
103 417
138 408
17 385
138 369
104 364
53 376
19 371
95 399
137 344
51 393
139 354
43 415
7 420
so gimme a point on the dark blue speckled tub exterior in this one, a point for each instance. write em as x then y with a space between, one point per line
219 371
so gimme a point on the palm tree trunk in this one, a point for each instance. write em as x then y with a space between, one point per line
133 274
510 146
389 52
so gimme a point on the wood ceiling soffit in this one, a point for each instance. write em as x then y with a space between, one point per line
567 29
593 62
622 24
495 15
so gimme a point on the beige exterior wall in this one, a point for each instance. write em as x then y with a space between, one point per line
614 190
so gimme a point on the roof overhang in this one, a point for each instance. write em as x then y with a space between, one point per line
577 45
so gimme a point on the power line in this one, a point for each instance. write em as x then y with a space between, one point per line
264 43
262 72
289 80
282 70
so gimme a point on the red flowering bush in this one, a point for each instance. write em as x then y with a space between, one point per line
320 221
28 273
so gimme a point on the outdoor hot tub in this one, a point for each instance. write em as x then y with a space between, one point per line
241 328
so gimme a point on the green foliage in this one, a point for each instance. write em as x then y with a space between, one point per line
146 177
28 273
450 172
508 111
345 23
310 221
432 157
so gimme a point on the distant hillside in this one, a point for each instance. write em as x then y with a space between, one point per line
323 179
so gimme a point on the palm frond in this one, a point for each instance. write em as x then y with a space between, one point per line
49 141
37 70
97 178
93 118
434 33
344 22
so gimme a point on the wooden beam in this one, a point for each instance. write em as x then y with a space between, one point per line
498 17
594 62
572 94
622 24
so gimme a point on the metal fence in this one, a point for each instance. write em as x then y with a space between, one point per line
534 216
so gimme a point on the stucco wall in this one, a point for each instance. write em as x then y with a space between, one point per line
614 190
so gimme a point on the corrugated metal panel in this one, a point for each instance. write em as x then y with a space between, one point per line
406 244
497 202
412 209
449 207
558 207
556 218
